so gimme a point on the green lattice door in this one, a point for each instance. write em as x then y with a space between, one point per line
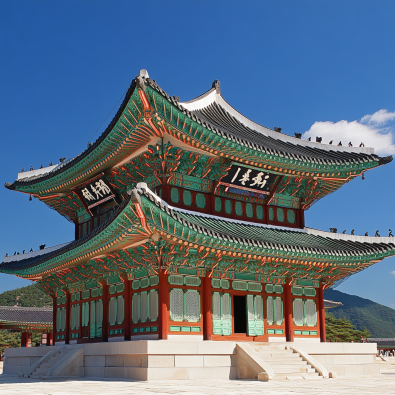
254 315
96 318
222 314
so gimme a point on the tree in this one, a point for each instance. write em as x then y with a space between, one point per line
342 330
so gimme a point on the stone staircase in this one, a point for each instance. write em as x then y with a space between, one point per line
42 369
285 362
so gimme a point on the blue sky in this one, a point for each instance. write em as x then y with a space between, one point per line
304 66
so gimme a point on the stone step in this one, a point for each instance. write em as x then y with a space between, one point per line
286 361
296 376
54 360
276 354
42 370
292 369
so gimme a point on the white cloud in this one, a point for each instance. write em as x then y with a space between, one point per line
367 131
380 117
393 272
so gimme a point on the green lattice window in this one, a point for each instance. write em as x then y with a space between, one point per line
255 315
249 210
200 200
275 314
85 314
259 212
280 215
187 197
222 314
174 195
218 204
291 216
228 206
116 310
145 306
96 318
239 208
271 214
75 317
60 319
304 312
184 305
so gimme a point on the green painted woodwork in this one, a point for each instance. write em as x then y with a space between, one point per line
304 312
75 317
274 310
174 195
228 206
259 212
271 213
221 314
176 304
218 204
280 215
85 314
255 287
187 197
238 208
240 285
291 216
200 200
249 210
255 325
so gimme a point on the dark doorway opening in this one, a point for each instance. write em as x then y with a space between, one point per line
240 314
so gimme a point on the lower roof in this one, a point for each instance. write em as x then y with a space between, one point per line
26 315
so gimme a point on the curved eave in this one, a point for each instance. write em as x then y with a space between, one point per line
111 147
122 229
264 240
314 157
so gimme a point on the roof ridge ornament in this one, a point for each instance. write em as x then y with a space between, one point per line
216 84
140 79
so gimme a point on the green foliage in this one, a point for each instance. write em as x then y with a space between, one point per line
30 296
342 330
363 313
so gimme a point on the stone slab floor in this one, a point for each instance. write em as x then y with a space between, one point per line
380 384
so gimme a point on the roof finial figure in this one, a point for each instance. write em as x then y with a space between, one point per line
61 160
15 253
41 167
377 234
90 144
350 144
277 129
217 86
318 139
331 142
298 135
333 230
31 250
42 246
31 168
6 254
340 144
23 251
352 232
344 232
51 164
144 73
390 233
367 234
362 145
176 98
22 170
309 139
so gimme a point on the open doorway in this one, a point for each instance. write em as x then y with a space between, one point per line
240 314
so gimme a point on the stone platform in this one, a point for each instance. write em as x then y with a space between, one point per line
191 360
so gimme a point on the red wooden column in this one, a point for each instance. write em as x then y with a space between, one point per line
321 314
54 317
289 327
68 316
207 308
50 339
128 309
26 339
105 311
163 304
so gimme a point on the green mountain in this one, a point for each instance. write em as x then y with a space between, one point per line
30 296
363 313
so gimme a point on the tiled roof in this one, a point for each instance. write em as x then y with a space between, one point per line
269 237
26 315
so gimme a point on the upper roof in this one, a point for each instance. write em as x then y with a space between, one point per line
240 138
26 315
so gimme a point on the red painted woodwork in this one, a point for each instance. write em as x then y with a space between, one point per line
26 339
128 309
321 314
207 308
54 314
210 208
289 327
163 304
68 315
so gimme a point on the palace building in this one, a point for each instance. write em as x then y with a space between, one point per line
189 224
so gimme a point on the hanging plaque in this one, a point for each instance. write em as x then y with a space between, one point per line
96 192
249 179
